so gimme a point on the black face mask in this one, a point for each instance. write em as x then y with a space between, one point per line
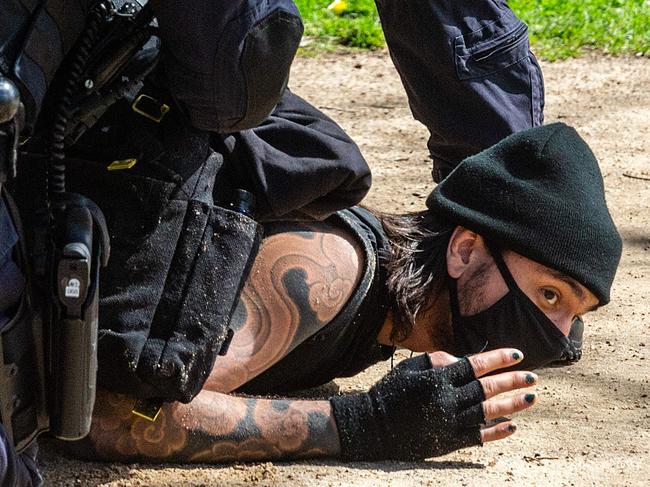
513 321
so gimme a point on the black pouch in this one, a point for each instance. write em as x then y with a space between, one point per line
177 268
178 263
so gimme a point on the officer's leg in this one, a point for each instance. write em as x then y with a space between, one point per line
18 470
468 72
298 161
15 470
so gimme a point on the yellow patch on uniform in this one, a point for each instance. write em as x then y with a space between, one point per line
122 164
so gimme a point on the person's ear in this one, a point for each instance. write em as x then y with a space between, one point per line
465 250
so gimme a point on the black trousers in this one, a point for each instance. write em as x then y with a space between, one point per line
468 72
299 163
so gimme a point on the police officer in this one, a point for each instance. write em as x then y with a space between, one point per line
465 65
223 68
15 469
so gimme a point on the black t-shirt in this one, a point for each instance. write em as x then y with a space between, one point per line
348 344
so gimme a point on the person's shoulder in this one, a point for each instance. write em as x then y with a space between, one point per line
318 264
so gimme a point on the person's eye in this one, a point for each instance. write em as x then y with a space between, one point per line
550 296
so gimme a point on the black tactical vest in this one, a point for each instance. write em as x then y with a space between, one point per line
177 265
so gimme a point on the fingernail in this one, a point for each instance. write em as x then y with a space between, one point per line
529 397
530 379
516 355
512 428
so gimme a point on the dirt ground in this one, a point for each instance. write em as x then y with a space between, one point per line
592 426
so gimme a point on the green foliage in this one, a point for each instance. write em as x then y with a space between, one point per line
358 26
558 28
564 28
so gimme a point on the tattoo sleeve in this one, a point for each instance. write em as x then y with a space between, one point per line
214 428
300 280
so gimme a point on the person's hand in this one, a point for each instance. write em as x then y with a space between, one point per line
495 385
418 411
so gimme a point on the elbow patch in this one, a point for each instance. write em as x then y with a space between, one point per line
230 72
268 53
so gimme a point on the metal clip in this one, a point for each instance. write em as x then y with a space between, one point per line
150 108
148 409
9 160
11 116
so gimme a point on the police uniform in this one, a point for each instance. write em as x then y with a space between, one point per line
468 72
222 70
15 470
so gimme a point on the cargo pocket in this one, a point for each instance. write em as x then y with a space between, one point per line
177 267
144 223
496 46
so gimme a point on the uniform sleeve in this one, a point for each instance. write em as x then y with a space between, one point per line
468 72
18 470
299 161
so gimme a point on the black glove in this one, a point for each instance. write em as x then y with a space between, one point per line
414 412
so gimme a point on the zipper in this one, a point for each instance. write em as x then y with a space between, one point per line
515 38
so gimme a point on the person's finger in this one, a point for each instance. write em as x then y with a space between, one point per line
419 363
440 359
498 432
506 382
472 416
485 362
495 408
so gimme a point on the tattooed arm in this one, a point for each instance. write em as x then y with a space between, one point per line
301 278
213 428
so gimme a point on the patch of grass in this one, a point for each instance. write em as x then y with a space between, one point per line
564 28
558 28
358 26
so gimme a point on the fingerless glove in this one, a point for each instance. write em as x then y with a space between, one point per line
414 412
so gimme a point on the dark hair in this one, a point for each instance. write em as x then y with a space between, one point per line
415 266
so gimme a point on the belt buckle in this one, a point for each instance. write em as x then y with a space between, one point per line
150 108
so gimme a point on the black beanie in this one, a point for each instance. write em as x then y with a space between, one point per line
540 193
